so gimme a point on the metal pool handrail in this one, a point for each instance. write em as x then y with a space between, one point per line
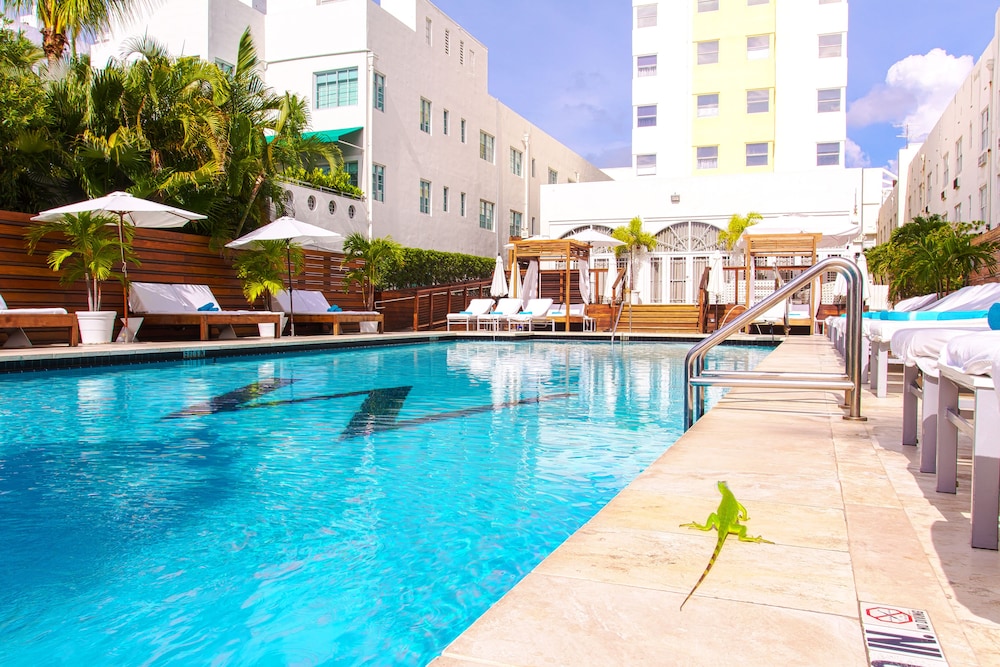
696 377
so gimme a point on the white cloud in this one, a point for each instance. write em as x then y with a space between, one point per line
916 91
854 156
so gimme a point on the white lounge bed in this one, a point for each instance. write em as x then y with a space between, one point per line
471 312
535 313
15 320
965 365
181 305
492 320
311 307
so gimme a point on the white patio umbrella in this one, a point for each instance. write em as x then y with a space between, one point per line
137 211
499 286
596 238
290 231
716 275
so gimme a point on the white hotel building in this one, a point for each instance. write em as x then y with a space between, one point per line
955 172
403 90
738 106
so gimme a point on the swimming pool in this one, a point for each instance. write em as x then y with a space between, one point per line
352 507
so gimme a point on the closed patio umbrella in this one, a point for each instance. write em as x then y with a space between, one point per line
499 286
126 207
716 275
290 230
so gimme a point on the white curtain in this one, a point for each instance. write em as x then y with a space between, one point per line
584 267
530 282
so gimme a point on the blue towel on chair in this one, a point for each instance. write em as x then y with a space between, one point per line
333 309
465 312
993 317
208 306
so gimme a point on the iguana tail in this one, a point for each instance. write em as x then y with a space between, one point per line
711 562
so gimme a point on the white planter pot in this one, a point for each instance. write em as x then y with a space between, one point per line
266 329
96 326
369 327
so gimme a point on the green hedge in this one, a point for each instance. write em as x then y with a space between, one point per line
426 268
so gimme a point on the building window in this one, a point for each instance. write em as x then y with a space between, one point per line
425 196
830 46
759 101
461 130
337 88
958 158
645 16
486 142
447 41
947 170
708 105
827 154
708 52
645 65
378 182
984 129
486 209
428 30
227 68
645 165
352 171
759 47
444 122
444 199
461 52
958 213
515 223
516 160
708 6
378 92
757 155
553 176
425 115
757 2
461 204
708 157
983 203
646 115
828 100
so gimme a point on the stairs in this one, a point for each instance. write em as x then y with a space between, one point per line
659 318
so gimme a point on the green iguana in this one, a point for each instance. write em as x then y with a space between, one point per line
726 520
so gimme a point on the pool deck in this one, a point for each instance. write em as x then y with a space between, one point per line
851 518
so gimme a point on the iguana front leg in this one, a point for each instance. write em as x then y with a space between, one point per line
711 522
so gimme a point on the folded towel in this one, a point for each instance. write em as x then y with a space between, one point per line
208 306
465 312
993 317
333 309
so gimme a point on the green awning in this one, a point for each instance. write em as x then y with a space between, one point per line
330 136
326 136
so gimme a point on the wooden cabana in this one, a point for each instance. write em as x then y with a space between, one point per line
554 250
779 246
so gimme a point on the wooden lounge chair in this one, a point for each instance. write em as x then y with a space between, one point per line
15 320
163 304
311 307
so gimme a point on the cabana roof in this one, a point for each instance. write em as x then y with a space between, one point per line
551 249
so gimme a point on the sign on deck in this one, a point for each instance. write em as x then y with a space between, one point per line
898 636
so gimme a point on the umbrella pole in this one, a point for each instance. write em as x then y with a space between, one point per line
121 245
291 290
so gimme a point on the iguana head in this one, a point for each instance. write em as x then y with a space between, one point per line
723 487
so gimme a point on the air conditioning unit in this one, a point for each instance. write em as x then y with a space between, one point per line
982 159
954 184
944 195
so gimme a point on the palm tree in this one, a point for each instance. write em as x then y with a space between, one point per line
264 266
738 224
635 240
63 21
380 256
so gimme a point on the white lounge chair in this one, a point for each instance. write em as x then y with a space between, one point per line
535 310
965 365
577 313
311 307
492 320
15 320
475 308
165 304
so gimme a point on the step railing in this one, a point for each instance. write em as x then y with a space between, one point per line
696 377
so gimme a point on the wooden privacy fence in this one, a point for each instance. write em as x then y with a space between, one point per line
166 256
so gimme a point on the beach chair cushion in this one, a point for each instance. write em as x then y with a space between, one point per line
973 353
154 298
194 297
305 301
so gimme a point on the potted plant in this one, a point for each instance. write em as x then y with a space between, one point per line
91 250
263 268
379 256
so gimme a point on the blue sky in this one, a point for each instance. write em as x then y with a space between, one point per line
565 65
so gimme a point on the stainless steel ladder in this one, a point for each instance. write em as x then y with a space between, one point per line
696 377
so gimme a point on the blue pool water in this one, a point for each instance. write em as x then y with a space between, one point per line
356 507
